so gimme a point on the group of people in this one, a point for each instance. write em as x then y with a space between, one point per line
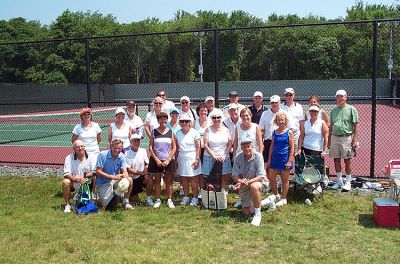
252 146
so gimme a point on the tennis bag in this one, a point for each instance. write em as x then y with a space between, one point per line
212 195
86 204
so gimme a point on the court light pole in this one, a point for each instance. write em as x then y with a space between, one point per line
200 35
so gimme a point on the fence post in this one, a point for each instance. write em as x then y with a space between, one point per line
88 91
216 70
373 100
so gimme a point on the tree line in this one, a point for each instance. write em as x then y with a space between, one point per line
341 51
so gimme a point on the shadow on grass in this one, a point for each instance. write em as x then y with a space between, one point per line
366 220
233 214
58 195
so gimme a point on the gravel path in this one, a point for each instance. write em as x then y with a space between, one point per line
29 171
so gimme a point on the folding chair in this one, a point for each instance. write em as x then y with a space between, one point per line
309 175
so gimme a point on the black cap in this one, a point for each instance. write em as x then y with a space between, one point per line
233 93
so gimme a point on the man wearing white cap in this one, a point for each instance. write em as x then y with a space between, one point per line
343 138
233 99
296 110
210 103
111 169
138 161
232 120
267 124
249 174
257 108
78 166
185 108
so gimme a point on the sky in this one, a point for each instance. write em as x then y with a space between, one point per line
127 11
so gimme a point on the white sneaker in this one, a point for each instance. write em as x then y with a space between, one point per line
278 197
185 201
67 209
157 203
170 204
149 201
282 202
238 203
337 185
256 220
128 206
195 202
272 206
317 190
267 201
347 186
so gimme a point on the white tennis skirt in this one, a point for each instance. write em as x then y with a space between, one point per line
185 165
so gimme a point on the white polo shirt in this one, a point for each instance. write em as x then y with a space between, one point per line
267 122
76 167
296 110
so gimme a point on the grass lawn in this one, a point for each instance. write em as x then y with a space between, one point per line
34 229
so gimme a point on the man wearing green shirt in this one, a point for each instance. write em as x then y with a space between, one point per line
343 138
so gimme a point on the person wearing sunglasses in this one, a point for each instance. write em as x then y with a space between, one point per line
167 104
88 132
218 144
188 159
296 110
185 108
150 120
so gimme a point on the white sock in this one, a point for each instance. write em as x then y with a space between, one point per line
348 177
257 211
339 177
169 200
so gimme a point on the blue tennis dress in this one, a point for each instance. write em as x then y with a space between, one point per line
280 153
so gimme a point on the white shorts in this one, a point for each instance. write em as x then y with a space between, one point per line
106 191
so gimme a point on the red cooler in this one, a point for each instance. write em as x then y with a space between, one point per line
386 212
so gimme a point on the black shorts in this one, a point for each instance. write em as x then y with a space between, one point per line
310 152
201 154
267 146
137 185
153 168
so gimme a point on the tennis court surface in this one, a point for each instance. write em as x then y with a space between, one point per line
46 137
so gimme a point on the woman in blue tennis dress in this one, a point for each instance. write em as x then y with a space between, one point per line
281 157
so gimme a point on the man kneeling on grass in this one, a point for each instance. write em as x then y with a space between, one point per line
112 177
249 174
78 166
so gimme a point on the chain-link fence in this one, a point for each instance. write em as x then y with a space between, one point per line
44 84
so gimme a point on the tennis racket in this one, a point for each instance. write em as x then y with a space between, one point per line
310 174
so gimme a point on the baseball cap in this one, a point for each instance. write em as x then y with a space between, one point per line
174 110
275 99
313 108
185 117
123 186
258 93
119 110
289 90
185 98
233 93
341 92
208 98
232 106
135 136
246 140
86 110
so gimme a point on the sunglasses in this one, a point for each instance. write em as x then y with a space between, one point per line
161 95
184 121
274 103
288 95
184 102
216 117
87 114
157 103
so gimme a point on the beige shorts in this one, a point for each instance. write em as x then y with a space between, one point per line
106 191
245 194
341 147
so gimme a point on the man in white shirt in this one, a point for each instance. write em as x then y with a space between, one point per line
233 99
268 126
136 123
296 110
167 105
185 108
232 120
78 167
